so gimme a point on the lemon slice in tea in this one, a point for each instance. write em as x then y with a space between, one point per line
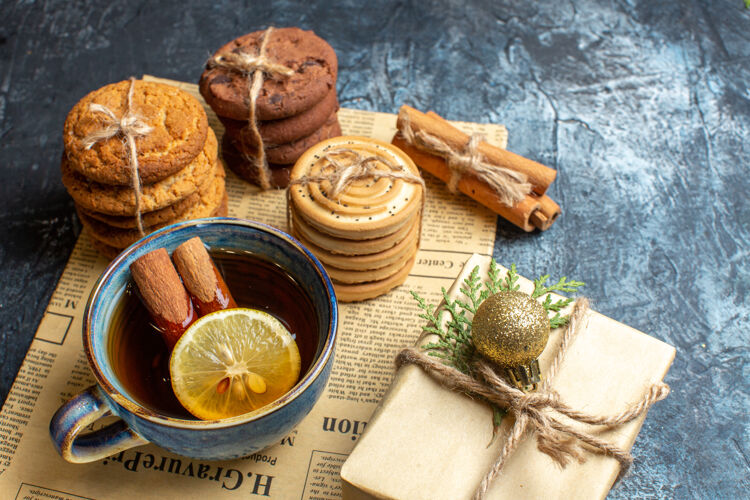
232 362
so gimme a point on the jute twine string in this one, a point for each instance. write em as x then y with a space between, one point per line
510 186
538 411
129 126
255 68
361 167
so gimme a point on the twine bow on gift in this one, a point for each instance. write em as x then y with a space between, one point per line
510 186
254 67
538 411
129 126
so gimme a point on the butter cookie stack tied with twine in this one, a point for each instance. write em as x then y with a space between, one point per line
139 156
357 204
510 185
275 93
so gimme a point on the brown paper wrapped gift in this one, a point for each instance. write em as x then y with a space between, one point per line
425 442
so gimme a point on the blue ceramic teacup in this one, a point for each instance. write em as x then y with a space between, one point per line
209 440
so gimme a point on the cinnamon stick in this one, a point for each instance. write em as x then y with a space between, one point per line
528 214
162 293
539 176
202 279
550 209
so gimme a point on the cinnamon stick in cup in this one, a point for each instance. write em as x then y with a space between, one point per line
202 279
162 293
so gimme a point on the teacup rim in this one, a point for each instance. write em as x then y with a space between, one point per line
316 369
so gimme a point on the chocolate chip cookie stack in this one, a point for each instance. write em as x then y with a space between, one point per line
179 175
356 203
296 103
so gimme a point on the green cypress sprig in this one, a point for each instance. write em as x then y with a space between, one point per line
453 344
563 285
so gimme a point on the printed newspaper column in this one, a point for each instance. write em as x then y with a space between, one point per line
306 463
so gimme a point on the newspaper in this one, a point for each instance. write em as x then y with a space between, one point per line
306 463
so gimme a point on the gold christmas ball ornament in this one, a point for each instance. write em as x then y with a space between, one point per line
511 329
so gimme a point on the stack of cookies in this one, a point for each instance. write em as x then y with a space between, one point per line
366 234
179 173
293 111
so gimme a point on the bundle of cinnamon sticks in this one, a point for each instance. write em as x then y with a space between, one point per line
533 210
174 303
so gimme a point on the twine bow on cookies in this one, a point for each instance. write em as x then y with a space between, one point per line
361 167
254 67
538 411
129 126
510 186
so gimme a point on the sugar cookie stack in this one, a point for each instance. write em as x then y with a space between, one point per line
180 175
367 234
293 111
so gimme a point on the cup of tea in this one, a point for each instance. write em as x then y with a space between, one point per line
265 269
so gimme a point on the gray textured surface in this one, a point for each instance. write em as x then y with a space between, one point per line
644 107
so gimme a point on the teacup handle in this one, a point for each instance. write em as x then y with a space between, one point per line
74 416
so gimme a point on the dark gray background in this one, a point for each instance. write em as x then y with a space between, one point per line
642 106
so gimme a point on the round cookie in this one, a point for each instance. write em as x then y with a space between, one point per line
286 154
247 170
111 252
108 251
148 219
351 247
364 291
179 127
210 201
363 262
368 208
120 200
276 132
310 57
350 277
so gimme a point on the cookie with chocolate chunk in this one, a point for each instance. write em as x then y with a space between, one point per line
311 58
286 154
178 128
285 130
246 169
